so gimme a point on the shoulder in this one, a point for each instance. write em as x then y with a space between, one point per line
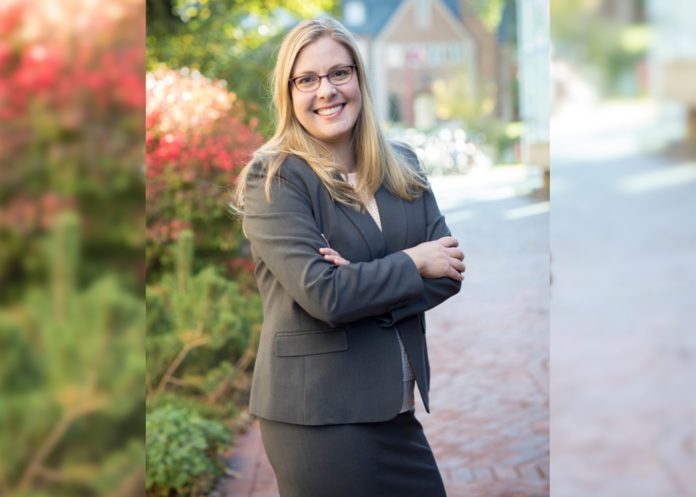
407 155
280 177
288 167
403 149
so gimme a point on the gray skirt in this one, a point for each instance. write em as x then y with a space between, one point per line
387 459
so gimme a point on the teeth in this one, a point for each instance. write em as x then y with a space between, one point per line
329 111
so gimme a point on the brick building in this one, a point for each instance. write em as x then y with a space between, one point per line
408 45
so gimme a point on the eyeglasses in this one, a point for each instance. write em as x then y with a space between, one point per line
337 76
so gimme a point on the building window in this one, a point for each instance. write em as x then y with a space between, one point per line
395 55
355 13
455 52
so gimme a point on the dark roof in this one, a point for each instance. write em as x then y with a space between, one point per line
378 12
507 29
453 5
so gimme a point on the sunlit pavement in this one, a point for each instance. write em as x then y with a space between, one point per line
488 346
623 314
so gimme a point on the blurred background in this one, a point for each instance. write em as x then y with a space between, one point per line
95 227
92 222
72 274
623 239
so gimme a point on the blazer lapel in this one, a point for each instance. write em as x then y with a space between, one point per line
392 213
367 228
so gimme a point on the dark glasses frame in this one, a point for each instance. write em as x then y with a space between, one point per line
328 76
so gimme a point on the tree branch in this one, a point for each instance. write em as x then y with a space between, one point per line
187 347
68 418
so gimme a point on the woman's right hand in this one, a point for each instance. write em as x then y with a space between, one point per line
438 258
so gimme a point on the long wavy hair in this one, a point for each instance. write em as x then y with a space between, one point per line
377 161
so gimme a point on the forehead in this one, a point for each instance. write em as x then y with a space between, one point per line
320 56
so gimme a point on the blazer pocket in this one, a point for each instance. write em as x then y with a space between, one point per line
299 343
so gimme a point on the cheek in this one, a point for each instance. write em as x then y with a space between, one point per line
300 101
300 107
357 97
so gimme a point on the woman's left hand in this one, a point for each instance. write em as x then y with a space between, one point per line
332 256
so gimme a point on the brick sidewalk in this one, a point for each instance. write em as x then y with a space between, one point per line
488 346
624 352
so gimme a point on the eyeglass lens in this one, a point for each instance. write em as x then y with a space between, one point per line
337 76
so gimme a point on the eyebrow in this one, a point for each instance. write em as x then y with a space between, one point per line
342 64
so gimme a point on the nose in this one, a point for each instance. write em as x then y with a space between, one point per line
326 89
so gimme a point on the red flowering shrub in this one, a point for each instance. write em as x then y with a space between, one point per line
196 142
72 98
74 59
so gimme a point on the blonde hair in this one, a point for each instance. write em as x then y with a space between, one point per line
377 162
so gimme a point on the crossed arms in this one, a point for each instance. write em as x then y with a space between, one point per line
390 288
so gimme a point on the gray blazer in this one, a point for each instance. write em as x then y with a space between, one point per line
328 352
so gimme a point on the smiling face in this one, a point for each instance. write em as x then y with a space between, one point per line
328 113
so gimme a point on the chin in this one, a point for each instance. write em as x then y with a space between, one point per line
336 135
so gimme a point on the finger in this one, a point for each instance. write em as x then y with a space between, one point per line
456 264
448 241
456 253
329 251
454 274
337 260
331 259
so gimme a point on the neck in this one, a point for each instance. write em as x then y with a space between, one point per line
344 156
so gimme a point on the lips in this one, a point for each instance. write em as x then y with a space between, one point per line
330 111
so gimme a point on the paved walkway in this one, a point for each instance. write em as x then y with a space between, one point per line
623 239
489 420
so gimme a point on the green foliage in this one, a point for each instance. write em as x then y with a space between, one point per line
454 98
611 55
489 11
183 452
71 379
201 328
202 336
203 323
71 254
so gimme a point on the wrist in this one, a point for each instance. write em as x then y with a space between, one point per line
414 258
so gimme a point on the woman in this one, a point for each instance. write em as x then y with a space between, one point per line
350 250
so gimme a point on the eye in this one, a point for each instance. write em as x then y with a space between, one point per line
306 80
341 72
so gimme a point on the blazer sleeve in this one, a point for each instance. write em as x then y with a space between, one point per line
436 290
285 235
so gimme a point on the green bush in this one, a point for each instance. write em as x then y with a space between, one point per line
71 380
183 451
202 334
